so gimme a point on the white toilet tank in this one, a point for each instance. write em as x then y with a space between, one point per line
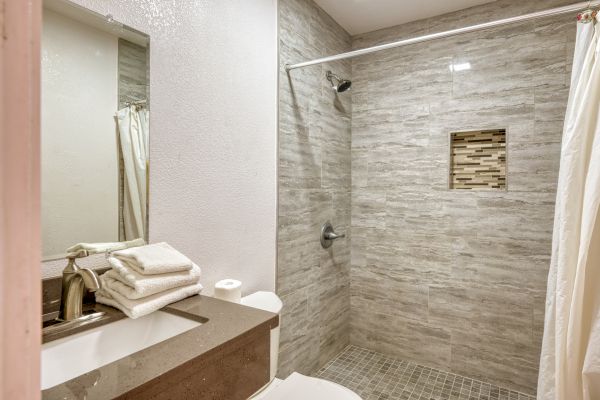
270 302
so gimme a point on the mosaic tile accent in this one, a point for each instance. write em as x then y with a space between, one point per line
375 376
478 160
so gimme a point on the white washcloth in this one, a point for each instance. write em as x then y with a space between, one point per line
158 258
134 285
94 248
138 308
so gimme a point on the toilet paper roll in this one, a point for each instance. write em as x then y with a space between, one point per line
229 290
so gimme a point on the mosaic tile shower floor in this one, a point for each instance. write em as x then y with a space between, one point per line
375 376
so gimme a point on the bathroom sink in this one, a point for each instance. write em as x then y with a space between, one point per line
69 357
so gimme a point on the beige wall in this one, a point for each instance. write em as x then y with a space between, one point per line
79 141
448 278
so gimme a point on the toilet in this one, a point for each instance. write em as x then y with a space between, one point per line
296 386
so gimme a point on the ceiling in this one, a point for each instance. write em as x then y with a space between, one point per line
360 16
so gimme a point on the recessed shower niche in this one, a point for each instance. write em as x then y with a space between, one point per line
478 160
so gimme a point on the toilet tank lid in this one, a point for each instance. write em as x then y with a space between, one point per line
267 301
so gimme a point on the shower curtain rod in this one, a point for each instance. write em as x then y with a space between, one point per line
522 18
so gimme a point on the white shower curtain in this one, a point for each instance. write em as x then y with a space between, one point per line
570 359
133 134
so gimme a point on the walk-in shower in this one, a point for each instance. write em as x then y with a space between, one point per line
439 286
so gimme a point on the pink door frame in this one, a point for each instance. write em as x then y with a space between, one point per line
20 244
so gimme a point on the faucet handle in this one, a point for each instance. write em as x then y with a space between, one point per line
328 235
72 265
78 254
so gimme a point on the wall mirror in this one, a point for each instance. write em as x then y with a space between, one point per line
94 128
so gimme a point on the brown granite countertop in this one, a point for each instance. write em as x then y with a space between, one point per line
222 323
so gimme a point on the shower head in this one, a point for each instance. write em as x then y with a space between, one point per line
340 85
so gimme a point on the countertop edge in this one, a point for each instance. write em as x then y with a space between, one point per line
226 324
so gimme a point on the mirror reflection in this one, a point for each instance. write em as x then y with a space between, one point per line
95 129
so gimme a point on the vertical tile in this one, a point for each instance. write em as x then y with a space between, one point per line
314 186
299 340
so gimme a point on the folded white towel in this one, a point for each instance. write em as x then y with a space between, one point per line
158 258
138 308
134 285
94 248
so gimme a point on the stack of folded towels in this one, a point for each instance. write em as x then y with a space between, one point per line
146 278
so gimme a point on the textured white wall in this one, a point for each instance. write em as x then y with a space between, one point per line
79 144
213 131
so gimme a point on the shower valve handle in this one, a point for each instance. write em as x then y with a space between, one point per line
328 235
333 235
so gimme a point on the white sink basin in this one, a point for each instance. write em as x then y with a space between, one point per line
69 357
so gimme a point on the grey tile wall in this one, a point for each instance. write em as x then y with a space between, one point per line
451 280
455 280
133 85
133 72
314 186
478 160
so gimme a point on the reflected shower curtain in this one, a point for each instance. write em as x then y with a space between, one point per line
133 134
570 359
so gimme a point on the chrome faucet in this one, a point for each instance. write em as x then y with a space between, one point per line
74 281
